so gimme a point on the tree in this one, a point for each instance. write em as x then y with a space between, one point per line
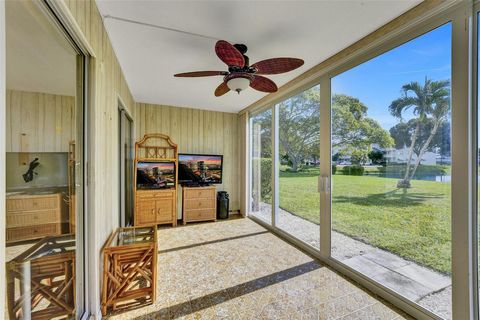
262 132
403 131
377 157
299 119
442 141
430 102
314 151
353 133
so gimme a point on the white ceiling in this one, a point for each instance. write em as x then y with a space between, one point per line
39 58
310 30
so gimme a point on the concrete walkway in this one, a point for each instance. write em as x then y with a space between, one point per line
425 286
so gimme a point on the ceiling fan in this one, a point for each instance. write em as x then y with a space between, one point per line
241 74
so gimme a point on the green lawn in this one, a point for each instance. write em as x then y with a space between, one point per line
413 223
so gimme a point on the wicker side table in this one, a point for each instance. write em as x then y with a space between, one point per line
41 280
129 268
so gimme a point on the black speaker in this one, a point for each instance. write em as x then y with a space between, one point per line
223 205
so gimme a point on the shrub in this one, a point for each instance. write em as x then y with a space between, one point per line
353 170
377 157
334 168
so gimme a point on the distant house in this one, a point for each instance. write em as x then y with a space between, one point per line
401 156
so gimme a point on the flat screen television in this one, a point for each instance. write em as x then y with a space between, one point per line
200 168
155 175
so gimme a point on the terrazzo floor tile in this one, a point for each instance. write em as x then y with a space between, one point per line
373 312
373 262
235 269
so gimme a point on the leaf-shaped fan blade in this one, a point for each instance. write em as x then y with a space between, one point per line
277 65
221 89
201 74
263 84
229 54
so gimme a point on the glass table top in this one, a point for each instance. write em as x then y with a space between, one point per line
135 235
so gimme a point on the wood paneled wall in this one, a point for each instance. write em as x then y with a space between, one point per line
198 131
108 87
39 122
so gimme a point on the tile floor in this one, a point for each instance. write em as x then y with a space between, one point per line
235 269
427 287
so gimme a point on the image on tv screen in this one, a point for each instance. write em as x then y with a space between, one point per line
207 168
155 175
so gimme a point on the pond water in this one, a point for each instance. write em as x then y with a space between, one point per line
398 175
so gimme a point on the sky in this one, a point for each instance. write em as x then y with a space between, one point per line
207 159
160 165
378 82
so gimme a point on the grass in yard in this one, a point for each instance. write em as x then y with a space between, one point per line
413 223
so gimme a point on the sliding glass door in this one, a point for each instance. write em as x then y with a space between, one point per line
298 155
261 181
391 155
476 152
45 131
126 155
389 139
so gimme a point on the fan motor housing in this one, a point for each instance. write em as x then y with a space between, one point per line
234 75
245 69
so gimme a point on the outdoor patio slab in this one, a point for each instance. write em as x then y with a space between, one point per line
386 259
426 277
402 285
365 266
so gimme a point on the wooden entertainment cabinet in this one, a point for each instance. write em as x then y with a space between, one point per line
156 206
199 204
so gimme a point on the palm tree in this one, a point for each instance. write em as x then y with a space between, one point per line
432 100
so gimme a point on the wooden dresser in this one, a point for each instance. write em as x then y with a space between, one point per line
199 204
155 207
33 216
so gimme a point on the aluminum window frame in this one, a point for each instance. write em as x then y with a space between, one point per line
249 188
464 296
475 156
59 15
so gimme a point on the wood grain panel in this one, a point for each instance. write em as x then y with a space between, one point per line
39 122
197 131
8 120
50 122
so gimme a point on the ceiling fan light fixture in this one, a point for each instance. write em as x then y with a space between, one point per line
241 74
238 84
